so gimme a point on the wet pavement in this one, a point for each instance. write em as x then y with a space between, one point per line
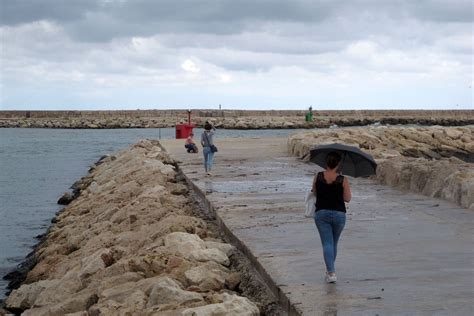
399 254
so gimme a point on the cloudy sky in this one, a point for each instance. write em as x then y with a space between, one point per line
144 54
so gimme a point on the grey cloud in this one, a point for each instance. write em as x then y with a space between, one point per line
13 12
104 20
425 10
145 18
252 36
443 11
219 11
253 42
90 20
257 62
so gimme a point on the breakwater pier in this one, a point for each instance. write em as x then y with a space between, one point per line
135 241
231 119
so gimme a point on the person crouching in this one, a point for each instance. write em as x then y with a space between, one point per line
190 145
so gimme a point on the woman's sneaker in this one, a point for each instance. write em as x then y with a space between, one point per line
331 278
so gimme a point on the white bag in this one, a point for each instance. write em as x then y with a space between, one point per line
310 203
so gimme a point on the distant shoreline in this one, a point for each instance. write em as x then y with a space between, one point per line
230 119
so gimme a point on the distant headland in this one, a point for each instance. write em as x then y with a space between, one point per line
231 119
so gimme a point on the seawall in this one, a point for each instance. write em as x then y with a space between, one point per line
135 241
231 119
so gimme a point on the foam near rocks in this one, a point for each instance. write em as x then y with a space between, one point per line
129 244
435 161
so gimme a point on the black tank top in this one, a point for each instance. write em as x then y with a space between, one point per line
330 196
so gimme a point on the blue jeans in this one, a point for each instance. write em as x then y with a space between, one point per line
208 158
330 225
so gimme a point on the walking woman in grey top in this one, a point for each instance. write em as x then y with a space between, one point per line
206 142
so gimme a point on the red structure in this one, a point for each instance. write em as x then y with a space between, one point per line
183 130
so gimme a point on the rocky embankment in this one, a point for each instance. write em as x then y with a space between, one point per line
435 161
132 243
239 119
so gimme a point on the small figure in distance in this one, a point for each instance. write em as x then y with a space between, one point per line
309 115
190 145
207 142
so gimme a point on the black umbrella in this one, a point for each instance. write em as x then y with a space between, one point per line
355 162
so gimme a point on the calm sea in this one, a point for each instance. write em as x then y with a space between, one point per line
38 165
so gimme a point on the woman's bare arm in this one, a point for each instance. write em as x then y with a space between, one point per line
347 195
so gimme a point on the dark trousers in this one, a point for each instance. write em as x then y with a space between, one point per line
191 148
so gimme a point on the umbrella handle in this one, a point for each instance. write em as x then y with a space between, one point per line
342 163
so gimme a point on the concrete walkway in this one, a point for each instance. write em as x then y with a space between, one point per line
400 253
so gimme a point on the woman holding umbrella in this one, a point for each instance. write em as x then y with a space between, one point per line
332 190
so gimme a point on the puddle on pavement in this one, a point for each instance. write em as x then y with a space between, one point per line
208 187
255 186
255 167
